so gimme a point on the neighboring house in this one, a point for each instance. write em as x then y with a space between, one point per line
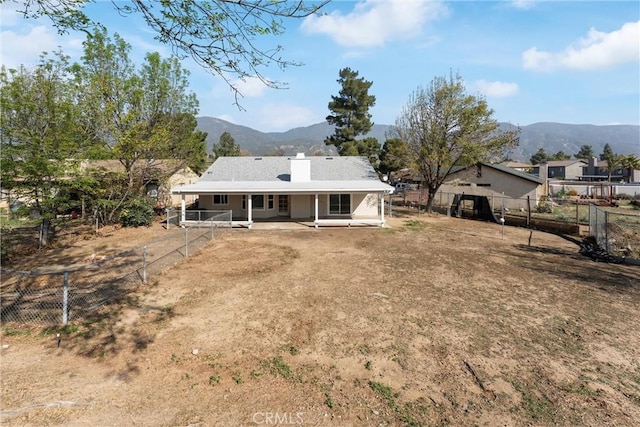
327 190
519 166
562 169
499 183
597 170
157 177
406 175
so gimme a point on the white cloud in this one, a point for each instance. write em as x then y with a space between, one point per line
496 89
373 22
282 117
9 14
523 4
26 48
250 87
597 50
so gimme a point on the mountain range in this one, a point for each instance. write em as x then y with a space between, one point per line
553 137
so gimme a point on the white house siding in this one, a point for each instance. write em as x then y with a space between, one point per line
300 206
515 189
234 204
323 205
364 204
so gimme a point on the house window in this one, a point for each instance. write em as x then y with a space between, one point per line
257 200
220 199
244 203
152 191
270 202
339 204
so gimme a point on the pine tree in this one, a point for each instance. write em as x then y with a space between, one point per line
227 147
350 113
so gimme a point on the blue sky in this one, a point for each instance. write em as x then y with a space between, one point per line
534 61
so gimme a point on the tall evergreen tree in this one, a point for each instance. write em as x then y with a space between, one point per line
607 152
350 113
585 153
560 155
539 156
394 156
227 147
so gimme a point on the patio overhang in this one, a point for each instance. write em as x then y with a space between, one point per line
313 188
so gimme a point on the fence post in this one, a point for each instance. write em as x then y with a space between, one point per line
186 242
65 298
577 216
528 211
606 231
144 264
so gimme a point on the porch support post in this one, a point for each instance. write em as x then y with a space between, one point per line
183 208
316 210
381 204
249 209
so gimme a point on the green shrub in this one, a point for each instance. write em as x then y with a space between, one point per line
137 212
544 207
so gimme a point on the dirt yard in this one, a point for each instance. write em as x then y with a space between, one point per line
431 321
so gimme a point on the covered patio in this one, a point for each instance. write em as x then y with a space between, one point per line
327 191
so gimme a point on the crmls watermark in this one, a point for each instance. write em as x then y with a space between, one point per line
278 418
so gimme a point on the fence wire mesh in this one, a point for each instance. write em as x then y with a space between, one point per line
200 218
57 295
616 233
616 230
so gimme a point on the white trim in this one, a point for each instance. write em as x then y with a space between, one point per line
315 209
183 208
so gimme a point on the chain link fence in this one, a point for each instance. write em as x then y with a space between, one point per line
616 229
200 218
616 233
60 294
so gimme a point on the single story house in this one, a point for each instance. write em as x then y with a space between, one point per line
326 190
157 177
502 185
562 169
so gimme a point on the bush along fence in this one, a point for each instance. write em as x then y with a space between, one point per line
60 294
614 230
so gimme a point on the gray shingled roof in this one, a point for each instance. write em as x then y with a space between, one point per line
273 174
278 169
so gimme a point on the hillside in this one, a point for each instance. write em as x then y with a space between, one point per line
553 137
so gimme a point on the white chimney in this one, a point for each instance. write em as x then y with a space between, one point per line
300 169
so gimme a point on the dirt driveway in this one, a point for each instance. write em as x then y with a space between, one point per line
432 321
